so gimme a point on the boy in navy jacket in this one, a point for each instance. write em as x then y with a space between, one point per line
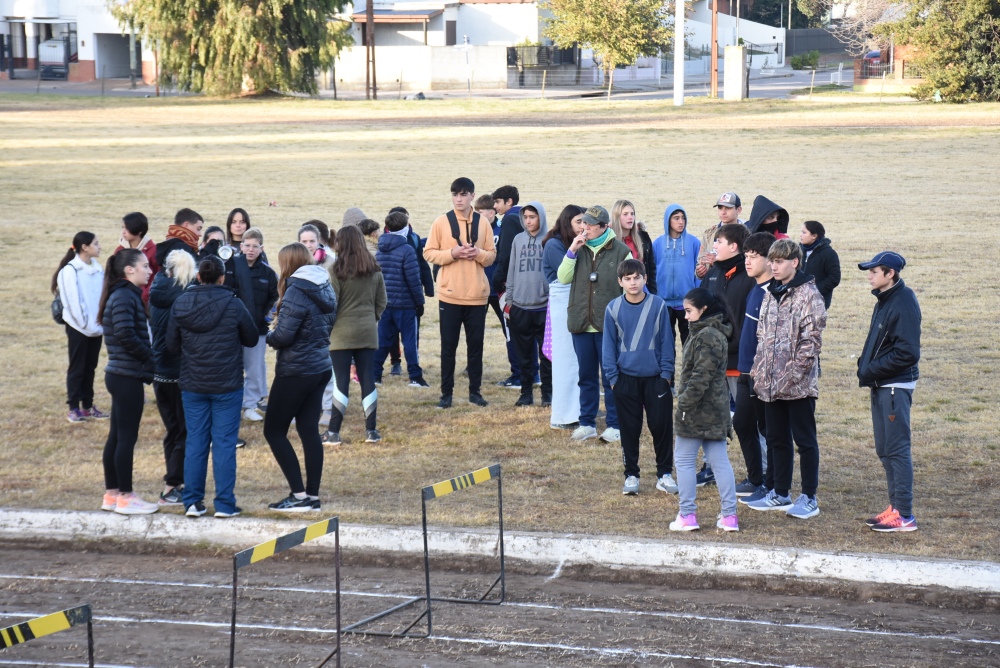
638 362
404 294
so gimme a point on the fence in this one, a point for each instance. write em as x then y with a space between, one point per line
802 40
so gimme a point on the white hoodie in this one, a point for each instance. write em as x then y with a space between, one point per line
80 288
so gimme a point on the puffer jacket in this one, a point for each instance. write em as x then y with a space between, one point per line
823 264
301 334
400 271
209 328
892 348
648 258
702 391
126 334
264 287
162 296
789 339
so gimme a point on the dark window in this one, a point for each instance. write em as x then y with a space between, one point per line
450 33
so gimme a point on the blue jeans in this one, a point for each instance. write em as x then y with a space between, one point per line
403 322
213 422
589 347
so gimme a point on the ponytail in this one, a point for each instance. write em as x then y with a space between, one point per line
80 239
114 271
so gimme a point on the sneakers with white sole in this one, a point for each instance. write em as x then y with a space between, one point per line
804 507
631 487
131 504
252 415
611 435
583 433
666 483
685 523
771 502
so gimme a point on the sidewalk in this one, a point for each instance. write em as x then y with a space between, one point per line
555 551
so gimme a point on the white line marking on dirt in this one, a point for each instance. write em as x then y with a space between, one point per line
557 572
12 662
541 606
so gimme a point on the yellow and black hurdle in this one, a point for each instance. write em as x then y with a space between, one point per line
428 493
49 624
278 545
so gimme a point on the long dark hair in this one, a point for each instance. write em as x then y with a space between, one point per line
291 258
114 271
80 239
354 260
713 305
229 223
564 225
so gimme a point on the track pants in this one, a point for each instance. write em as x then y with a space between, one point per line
454 318
632 394
789 421
171 407
527 331
749 423
83 353
364 362
891 423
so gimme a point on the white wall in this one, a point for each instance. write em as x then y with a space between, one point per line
699 28
424 67
498 24
112 56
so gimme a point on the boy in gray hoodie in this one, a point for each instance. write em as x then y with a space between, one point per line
526 301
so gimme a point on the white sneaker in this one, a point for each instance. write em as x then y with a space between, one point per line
611 435
131 504
582 433
665 483
631 487
252 415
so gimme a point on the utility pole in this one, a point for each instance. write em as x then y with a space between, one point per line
789 14
679 54
370 84
131 56
714 91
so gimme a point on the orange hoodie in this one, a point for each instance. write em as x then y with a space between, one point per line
461 282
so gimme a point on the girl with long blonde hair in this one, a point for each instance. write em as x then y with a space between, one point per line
633 234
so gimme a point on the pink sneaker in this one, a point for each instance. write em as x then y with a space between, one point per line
728 523
685 523
109 502
131 504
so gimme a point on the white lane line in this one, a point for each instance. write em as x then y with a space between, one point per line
541 606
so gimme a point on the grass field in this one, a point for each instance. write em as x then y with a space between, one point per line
916 179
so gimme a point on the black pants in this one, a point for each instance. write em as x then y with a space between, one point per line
301 398
395 356
364 362
632 394
677 317
788 421
83 353
126 413
455 317
748 423
527 331
171 407
515 367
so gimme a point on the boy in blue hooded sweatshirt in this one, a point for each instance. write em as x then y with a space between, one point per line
676 254
526 300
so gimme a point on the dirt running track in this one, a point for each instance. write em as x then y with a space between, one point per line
173 610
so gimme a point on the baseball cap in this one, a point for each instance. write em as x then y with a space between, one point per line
885 259
731 200
596 215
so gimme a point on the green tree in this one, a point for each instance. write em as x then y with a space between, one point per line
957 47
223 47
619 31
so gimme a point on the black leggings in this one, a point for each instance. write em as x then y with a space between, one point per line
83 353
171 407
364 362
301 398
127 401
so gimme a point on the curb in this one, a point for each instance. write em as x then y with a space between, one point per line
539 548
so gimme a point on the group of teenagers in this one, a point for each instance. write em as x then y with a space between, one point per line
590 307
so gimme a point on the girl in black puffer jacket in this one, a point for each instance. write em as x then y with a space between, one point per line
130 364
307 308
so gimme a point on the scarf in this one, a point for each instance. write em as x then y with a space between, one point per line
184 234
594 244
809 247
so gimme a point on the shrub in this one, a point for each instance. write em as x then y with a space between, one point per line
808 60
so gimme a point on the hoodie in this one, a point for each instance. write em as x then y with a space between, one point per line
302 332
762 208
80 287
527 287
675 261
208 321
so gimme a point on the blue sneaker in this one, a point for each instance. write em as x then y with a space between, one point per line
705 476
758 494
804 507
772 502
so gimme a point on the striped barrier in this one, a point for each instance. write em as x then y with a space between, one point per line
278 545
428 493
49 624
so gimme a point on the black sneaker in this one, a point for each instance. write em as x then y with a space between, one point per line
396 370
291 504
240 443
546 400
331 438
524 400
223 515
172 498
372 436
478 400
745 488
513 382
262 405
196 509
445 401
705 476
419 382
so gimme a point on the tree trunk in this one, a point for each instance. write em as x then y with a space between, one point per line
611 80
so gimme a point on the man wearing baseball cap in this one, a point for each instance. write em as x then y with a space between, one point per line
590 268
729 207
888 366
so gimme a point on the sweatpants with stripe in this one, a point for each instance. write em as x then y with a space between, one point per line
363 360
632 394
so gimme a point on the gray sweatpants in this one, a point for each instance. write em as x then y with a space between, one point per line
891 423
685 456
255 367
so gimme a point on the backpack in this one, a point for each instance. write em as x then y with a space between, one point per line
57 305
457 234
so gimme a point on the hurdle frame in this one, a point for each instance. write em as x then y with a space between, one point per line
437 490
257 553
39 627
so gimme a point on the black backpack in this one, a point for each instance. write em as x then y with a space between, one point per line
457 234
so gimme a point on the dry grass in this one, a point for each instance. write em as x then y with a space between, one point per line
917 179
